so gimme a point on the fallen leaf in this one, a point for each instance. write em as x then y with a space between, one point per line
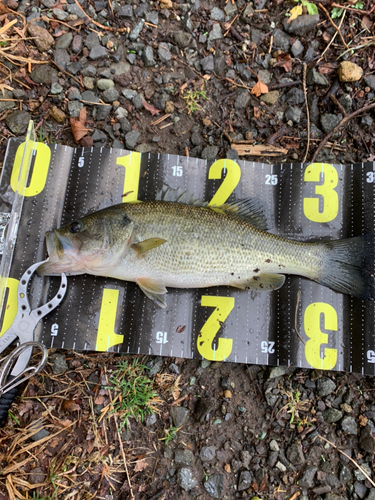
327 68
363 420
295 12
150 108
78 125
259 88
141 465
285 61
70 406
367 22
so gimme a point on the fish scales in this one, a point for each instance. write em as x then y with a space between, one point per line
205 248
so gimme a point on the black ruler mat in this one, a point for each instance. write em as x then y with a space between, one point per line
304 202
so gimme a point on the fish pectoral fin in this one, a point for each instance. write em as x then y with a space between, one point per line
146 245
262 282
153 290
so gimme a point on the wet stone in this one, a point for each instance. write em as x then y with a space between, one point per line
74 107
366 440
230 9
99 136
90 97
90 71
208 64
77 43
179 414
18 121
207 453
136 31
274 446
148 57
210 152
370 81
271 97
360 489
92 40
152 17
126 11
74 9
344 474
97 52
293 113
297 48
302 25
164 53
359 474
332 415
61 15
295 454
325 386
315 78
184 458
105 84
281 40
74 93
346 102
242 100
295 96
244 480
64 41
186 479
329 122
88 83
42 38
216 33
217 14
182 39
44 73
56 88
277 371
36 475
58 364
215 485
154 366
349 426
74 67
307 480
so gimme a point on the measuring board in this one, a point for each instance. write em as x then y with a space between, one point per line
304 202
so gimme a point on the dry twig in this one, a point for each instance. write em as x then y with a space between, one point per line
334 25
307 113
341 124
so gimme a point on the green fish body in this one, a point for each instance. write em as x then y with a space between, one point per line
179 242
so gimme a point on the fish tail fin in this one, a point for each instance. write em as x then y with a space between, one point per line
349 266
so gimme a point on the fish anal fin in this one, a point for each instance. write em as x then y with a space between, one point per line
153 290
262 282
146 245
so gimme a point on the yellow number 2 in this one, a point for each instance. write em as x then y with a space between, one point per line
326 190
229 183
311 323
223 307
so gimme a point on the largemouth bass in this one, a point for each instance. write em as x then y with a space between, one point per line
176 241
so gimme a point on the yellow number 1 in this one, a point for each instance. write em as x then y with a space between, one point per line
132 165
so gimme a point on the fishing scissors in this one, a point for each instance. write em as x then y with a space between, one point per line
14 368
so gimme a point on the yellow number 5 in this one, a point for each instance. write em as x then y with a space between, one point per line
327 190
311 323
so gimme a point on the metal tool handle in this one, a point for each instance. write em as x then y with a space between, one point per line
8 383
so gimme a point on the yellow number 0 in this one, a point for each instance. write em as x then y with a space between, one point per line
311 323
40 169
223 307
326 190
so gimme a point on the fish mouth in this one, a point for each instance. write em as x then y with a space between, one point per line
61 251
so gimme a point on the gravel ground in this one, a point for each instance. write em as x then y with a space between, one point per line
225 77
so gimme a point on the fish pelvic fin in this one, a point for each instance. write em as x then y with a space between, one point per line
349 266
250 209
264 282
146 245
153 290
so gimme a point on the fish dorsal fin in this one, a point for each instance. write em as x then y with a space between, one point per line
166 193
146 245
251 209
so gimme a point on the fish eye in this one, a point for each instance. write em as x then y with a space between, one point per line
75 227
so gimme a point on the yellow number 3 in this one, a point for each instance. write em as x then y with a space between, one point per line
330 207
311 323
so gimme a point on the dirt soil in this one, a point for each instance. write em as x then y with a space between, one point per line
210 79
